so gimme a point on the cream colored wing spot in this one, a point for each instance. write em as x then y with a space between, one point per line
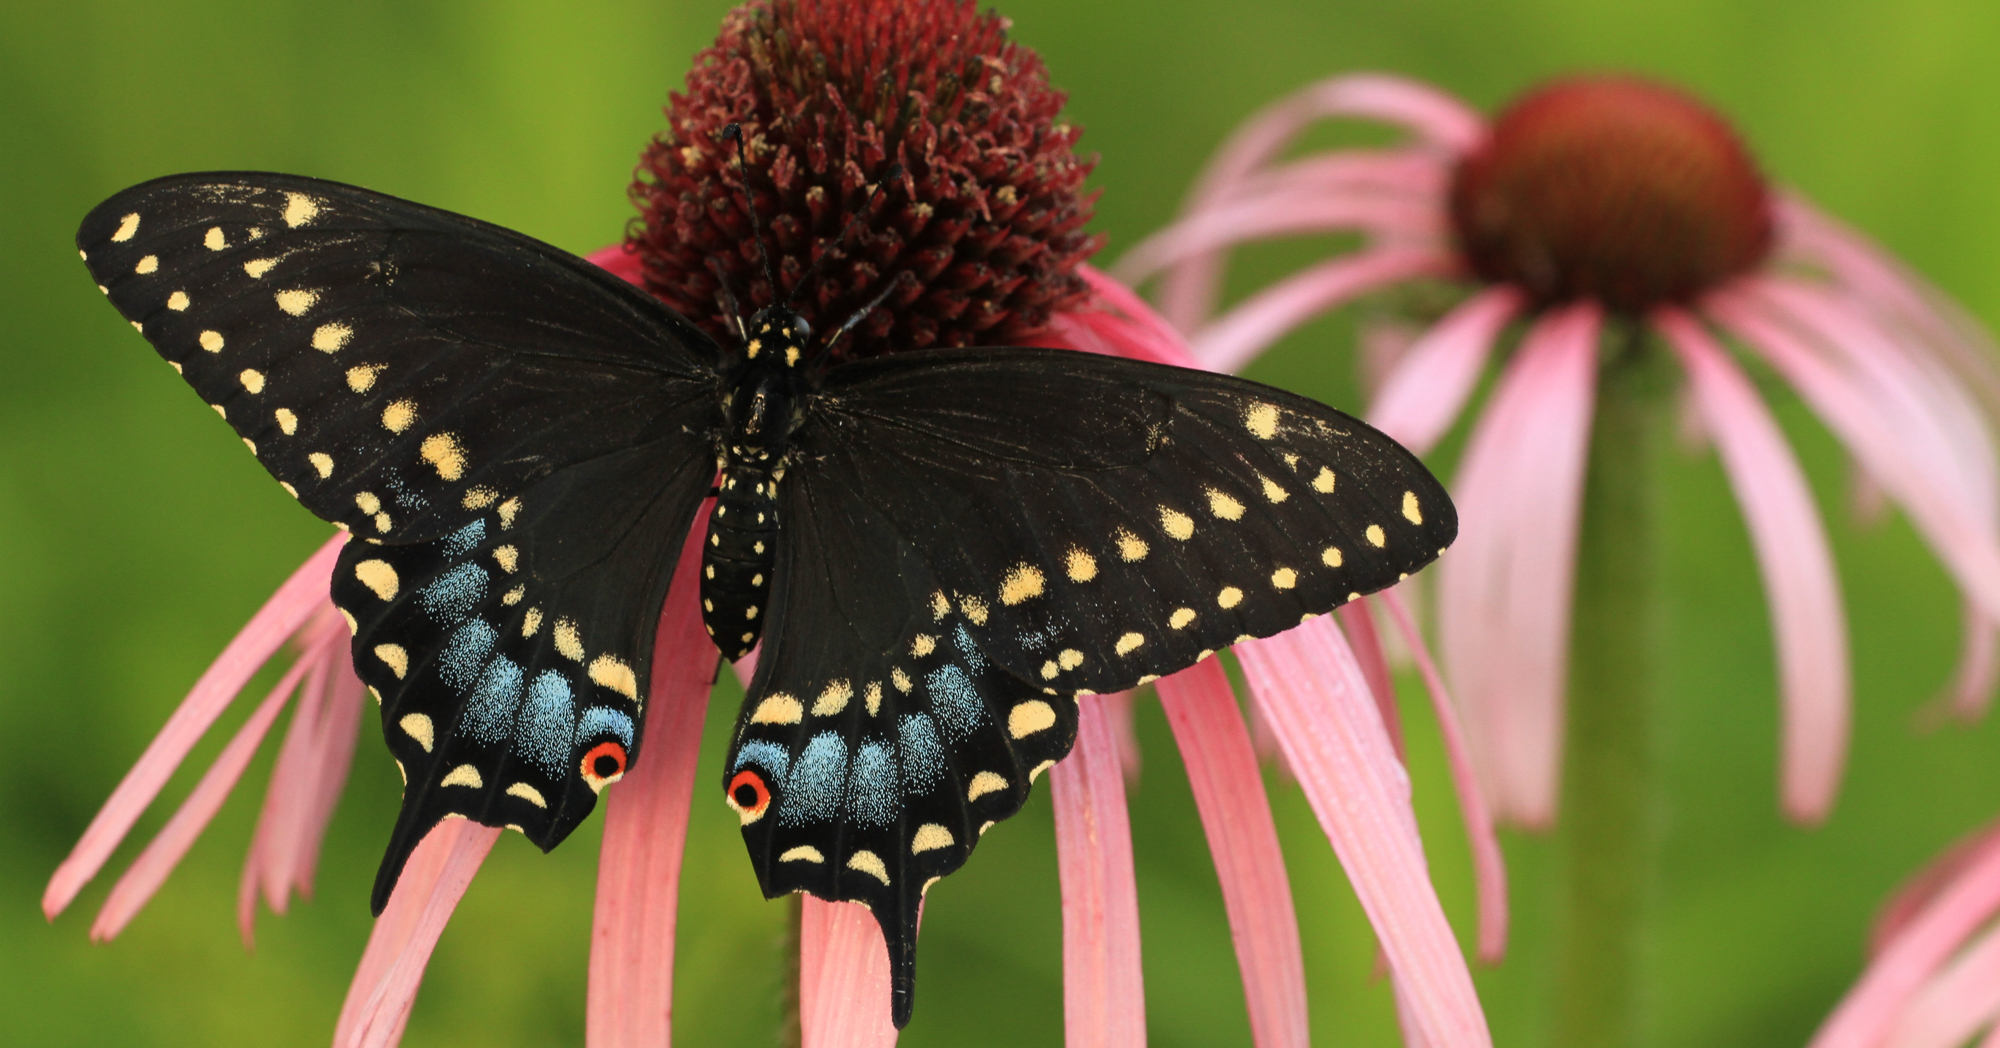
1036 772
296 302
257 267
353 627
900 679
1376 537
394 657
871 696
1029 717
1284 578
568 641
147 266
331 338
802 853
1272 491
379 577
869 863
1412 512
1181 618
833 699
610 671
1229 597
362 379
251 444
508 558
923 645
444 453
126 227
527 793
288 423
1130 643
398 415
322 464
531 622
1323 483
974 609
1223 506
1331 557
383 523
984 783
508 510
940 606
1261 420
252 379
419 727
299 209
210 340
1353 597
463 775
930 837
1024 582
778 708
1079 566
479 498
1176 524
215 240
178 301
289 490
1069 658
513 596
1133 549
1050 669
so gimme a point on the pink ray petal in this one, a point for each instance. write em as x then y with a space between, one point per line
1803 591
1489 866
167 848
645 830
1992 1039
1243 840
1307 682
385 984
1504 591
1402 174
843 977
1442 122
1104 997
1968 548
1229 342
1119 710
1957 1003
340 730
281 823
620 262
1139 333
279 618
1293 212
1871 1007
1359 625
1436 377
1914 895
1970 692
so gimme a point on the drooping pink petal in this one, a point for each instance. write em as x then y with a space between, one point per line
1104 998
1118 323
282 825
1967 547
1504 589
843 977
1956 1003
1441 122
165 851
1914 895
385 984
279 618
1870 1009
1359 625
1306 681
1808 622
1300 210
1488 865
1971 689
340 729
1401 174
1431 384
1119 710
1243 840
645 830
1229 342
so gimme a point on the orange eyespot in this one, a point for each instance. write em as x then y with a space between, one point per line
603 765
748 795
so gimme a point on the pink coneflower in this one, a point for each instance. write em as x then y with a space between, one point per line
997 256
1934 980
1595 205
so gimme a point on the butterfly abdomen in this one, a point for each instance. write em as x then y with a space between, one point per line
736 559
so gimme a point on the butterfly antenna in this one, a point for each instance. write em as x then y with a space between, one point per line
729 298
734 133
895 172
880 297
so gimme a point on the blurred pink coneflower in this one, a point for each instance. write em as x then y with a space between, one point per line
1595 204
996 255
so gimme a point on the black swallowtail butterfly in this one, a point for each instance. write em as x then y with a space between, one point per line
940 550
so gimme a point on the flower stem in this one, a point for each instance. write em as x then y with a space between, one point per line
1608 825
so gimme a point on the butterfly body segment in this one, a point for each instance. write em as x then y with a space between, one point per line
940 552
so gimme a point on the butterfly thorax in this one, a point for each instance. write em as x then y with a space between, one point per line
765 386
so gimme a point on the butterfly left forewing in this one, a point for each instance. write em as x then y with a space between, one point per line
1100 521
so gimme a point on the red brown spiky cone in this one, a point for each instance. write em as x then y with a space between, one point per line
987 219
1611 188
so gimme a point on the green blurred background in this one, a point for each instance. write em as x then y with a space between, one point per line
135 536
